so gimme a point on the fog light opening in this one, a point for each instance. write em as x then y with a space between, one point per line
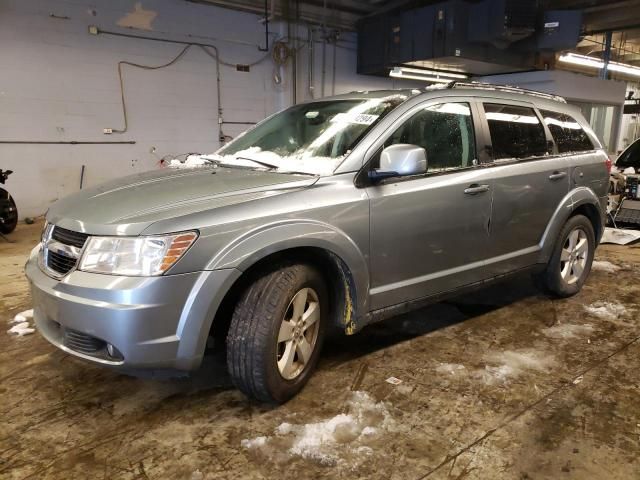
113 351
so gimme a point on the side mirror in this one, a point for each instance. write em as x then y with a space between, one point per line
399 160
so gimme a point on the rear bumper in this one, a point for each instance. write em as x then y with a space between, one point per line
153 322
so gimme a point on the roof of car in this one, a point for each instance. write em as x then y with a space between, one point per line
476 89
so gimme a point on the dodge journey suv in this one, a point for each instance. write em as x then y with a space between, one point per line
328 215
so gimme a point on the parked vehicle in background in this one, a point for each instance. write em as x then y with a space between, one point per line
629 158
624 189
8 209
334 213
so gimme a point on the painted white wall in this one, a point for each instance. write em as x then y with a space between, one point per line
59 83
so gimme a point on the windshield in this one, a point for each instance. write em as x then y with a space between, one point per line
310 138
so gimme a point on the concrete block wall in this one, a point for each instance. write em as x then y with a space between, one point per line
59 83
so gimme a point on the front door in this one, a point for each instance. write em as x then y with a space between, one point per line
429 232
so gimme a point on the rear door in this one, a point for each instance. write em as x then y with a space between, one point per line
529 179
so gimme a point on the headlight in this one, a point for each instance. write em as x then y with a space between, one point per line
46 230
134 256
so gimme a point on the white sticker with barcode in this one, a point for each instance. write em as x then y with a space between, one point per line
358 118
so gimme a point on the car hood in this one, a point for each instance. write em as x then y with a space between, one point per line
129 205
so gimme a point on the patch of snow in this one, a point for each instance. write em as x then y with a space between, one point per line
604 266
21 329
606 310
22 316
283 429
296 162
253 442
450 368
190 162
568 330
197 475
330 441
511 364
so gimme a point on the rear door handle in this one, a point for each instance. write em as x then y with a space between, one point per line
474 188
557 175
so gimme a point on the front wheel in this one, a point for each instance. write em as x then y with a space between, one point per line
276 333
8 212
570 263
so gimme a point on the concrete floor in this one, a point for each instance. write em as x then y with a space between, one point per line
503 384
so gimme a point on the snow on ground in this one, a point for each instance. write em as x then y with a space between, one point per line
336 440
21 321
604 266
606 310
450 368
510 364
568 330
20 329
22 317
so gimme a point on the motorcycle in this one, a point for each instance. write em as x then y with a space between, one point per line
8 209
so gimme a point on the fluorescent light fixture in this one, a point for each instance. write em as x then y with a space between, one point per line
425 75
591 62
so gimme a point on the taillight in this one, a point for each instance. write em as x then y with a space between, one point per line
608 163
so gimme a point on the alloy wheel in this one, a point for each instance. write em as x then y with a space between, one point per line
573 258
298 333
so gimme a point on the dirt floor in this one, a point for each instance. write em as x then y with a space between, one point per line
502 384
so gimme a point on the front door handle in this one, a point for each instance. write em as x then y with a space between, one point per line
557 175
474 188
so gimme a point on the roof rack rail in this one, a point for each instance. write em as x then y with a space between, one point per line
505 88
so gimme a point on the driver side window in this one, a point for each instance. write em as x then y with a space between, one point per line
446 133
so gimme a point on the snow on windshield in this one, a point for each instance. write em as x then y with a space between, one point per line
311 165
311 138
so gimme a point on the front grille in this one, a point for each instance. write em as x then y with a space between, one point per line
82 343
69 237
60 263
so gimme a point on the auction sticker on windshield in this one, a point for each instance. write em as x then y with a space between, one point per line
359 118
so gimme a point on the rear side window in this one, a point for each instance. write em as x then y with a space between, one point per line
567 132
516 132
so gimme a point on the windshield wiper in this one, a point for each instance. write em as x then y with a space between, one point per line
259 162
270 166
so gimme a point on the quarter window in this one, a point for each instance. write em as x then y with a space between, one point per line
445 131
567 132
516 132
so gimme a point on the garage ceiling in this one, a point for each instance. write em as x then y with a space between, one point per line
600 16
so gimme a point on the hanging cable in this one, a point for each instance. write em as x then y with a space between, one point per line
144 67
206 47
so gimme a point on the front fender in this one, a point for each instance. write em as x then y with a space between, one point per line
574 199
257 244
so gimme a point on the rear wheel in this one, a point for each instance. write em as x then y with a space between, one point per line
8 213
570 263
276 333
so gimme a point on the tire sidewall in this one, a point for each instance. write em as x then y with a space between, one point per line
281 388
6 203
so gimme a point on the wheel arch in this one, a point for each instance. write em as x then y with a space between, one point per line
334 254
580 201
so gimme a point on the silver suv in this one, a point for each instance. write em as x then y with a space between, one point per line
334 213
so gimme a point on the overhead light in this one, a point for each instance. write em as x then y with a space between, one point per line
425 75
591 62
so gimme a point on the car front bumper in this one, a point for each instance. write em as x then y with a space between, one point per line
152 322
